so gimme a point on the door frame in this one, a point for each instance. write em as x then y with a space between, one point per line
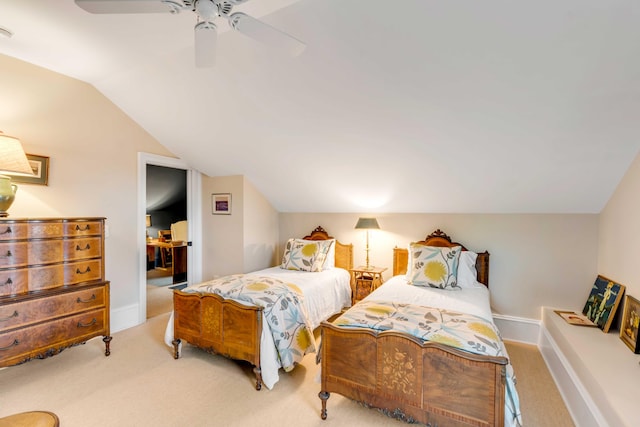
194 222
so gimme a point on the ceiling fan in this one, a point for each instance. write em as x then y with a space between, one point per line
205 29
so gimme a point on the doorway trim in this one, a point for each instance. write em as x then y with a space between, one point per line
194 222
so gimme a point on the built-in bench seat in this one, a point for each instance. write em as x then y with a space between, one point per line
597 374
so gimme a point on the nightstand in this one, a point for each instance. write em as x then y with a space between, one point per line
364 280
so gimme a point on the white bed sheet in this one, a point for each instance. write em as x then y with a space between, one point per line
475 300
325 293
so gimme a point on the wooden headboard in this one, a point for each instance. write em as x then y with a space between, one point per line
344 253
439 238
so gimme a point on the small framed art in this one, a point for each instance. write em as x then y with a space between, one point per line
39 166
573 318
603 301
221 204
630 322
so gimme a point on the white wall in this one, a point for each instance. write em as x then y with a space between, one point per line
619 233
93 149
536 260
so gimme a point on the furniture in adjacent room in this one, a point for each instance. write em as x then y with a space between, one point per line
178 255
53 292
365 280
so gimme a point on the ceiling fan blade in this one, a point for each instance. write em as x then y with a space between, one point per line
265 33
206 39
131 6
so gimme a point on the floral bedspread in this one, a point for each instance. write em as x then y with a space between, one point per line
283 309
463 331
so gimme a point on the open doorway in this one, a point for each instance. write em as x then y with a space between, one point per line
166 222
168 194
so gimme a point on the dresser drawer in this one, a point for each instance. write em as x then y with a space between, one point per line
82 271
45 277
13 230
37 310
45 229
82 228
45 251
14 254
23 344
13 281
82 248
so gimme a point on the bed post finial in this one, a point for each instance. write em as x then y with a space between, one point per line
439 233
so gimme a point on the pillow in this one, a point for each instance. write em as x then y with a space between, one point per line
467 273
305 255
433 266
330 262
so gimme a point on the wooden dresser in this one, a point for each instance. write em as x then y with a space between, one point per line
53 293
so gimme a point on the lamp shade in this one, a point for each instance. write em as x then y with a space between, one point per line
148 220
12 157
367 224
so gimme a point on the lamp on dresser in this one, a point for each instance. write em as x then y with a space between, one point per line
367 224
12 160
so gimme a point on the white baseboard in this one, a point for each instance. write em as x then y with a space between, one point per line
124 318
518 329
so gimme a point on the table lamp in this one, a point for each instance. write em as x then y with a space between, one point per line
367 224
14 161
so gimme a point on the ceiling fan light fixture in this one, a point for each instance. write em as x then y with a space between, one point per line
265 33
207 10
206 40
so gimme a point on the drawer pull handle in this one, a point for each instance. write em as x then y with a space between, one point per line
85 228
8 255
7 231
93 322
86 248
15 314
8 282
79 300
83 272
13 344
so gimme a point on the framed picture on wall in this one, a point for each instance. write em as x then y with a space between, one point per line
630 322
603 301
39 166
221 204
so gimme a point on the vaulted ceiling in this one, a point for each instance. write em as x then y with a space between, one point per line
492 106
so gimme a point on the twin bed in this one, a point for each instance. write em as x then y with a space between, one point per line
267 330
429 354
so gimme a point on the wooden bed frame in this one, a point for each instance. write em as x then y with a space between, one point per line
226 327
413 380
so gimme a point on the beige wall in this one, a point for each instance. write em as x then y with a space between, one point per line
222 244
260 230
93 149
243 241
619 233
536 260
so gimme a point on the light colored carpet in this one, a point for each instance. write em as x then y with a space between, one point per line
140 384
159 294
159 277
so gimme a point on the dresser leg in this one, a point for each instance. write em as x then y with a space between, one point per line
107 340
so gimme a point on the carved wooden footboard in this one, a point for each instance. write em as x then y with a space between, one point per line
220 326
425 382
